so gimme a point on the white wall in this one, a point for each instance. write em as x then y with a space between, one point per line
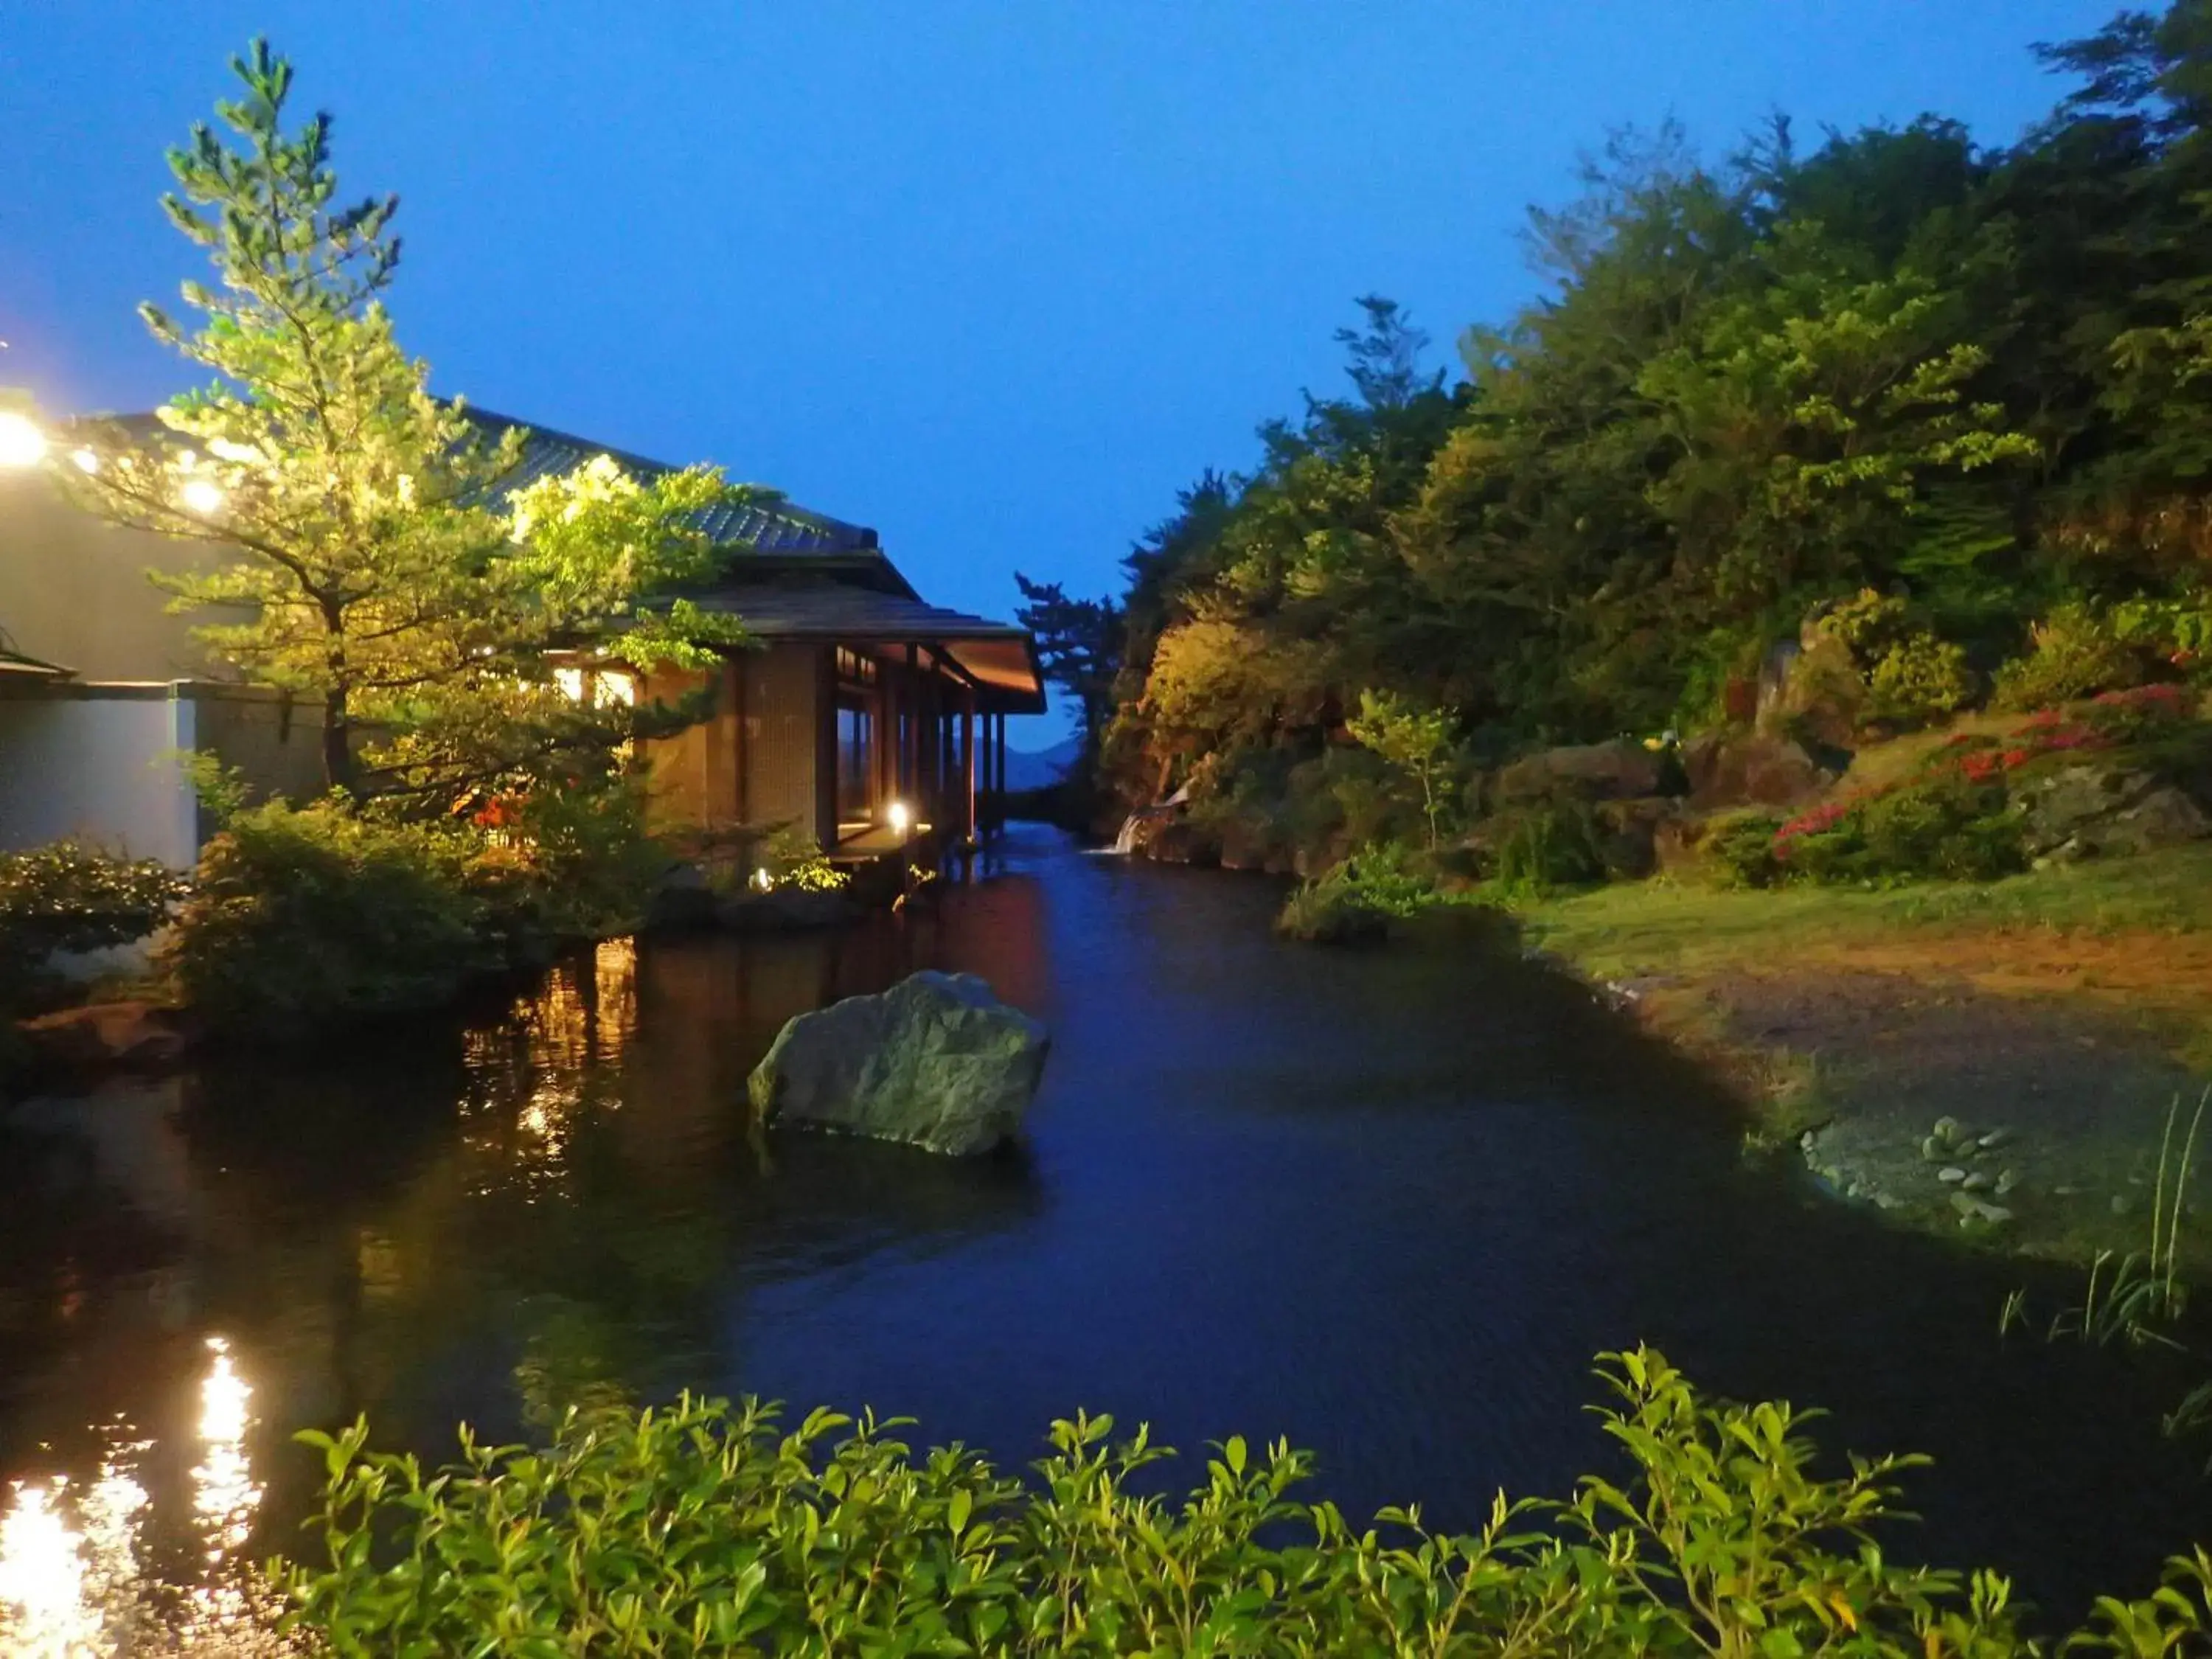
101 768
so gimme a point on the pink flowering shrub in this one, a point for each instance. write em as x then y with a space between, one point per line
2140 712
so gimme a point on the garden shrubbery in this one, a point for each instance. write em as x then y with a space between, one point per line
70 896
1358 899
702 1528
304 915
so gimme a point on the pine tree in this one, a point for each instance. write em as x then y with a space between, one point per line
381 569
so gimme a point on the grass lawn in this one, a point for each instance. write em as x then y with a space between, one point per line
2137 929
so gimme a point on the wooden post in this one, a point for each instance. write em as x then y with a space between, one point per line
968 759
911 744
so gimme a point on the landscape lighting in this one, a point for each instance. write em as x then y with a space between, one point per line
21 443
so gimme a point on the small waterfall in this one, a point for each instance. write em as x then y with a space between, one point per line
1125 842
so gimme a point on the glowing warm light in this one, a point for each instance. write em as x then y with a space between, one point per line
21 443
232 452
224 1493
618 688
85 460
43 1606
571 682
902 817
202 495
762 880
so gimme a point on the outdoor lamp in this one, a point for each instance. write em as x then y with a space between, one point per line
21 443
901 817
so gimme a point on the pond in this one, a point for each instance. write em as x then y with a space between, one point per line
1386 1204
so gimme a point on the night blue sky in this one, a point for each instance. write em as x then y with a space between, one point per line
996 279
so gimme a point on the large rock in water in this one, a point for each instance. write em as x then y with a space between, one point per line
937 1061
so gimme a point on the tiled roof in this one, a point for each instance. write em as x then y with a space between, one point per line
768 527
775 526
838 610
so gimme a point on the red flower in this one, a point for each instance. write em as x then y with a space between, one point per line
2013 757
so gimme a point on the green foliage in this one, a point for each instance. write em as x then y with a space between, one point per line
1359 898
2074 652
1943 826
1740 849
1918 680
1940 388
1417 741
793 858
706 1529
70 896
1078 647
304 916
373 563
1546 845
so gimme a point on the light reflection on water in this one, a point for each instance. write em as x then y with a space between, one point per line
72 1584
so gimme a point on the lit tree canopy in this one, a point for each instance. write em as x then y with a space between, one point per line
384 568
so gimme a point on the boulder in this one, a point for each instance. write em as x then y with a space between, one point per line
1821 695
1621 770
937 1061
1178 841
104 1037
1631 831
2164 818
2087 810
1749 769
1242 849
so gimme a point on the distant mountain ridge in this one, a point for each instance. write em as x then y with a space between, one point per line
1040 768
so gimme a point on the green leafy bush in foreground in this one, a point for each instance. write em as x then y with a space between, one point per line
702 1529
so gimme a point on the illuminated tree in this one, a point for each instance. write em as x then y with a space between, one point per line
382 567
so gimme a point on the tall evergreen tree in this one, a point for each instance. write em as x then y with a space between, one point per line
381 568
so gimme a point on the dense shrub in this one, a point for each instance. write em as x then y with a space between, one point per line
303 915
1908 677
2074 653
706 1530
1740 848
2144 714
1918 680
71 895
1359 898
1547 844
1945 825
589 865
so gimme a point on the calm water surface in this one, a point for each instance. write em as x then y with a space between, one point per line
1387 1205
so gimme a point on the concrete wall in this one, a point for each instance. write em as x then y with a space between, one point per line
99 762
99 767
73 591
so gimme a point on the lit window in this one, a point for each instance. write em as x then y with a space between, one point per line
571 682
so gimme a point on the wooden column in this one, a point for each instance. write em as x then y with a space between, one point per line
968 756
910 739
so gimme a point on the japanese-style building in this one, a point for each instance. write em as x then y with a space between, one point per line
861 713
864 714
